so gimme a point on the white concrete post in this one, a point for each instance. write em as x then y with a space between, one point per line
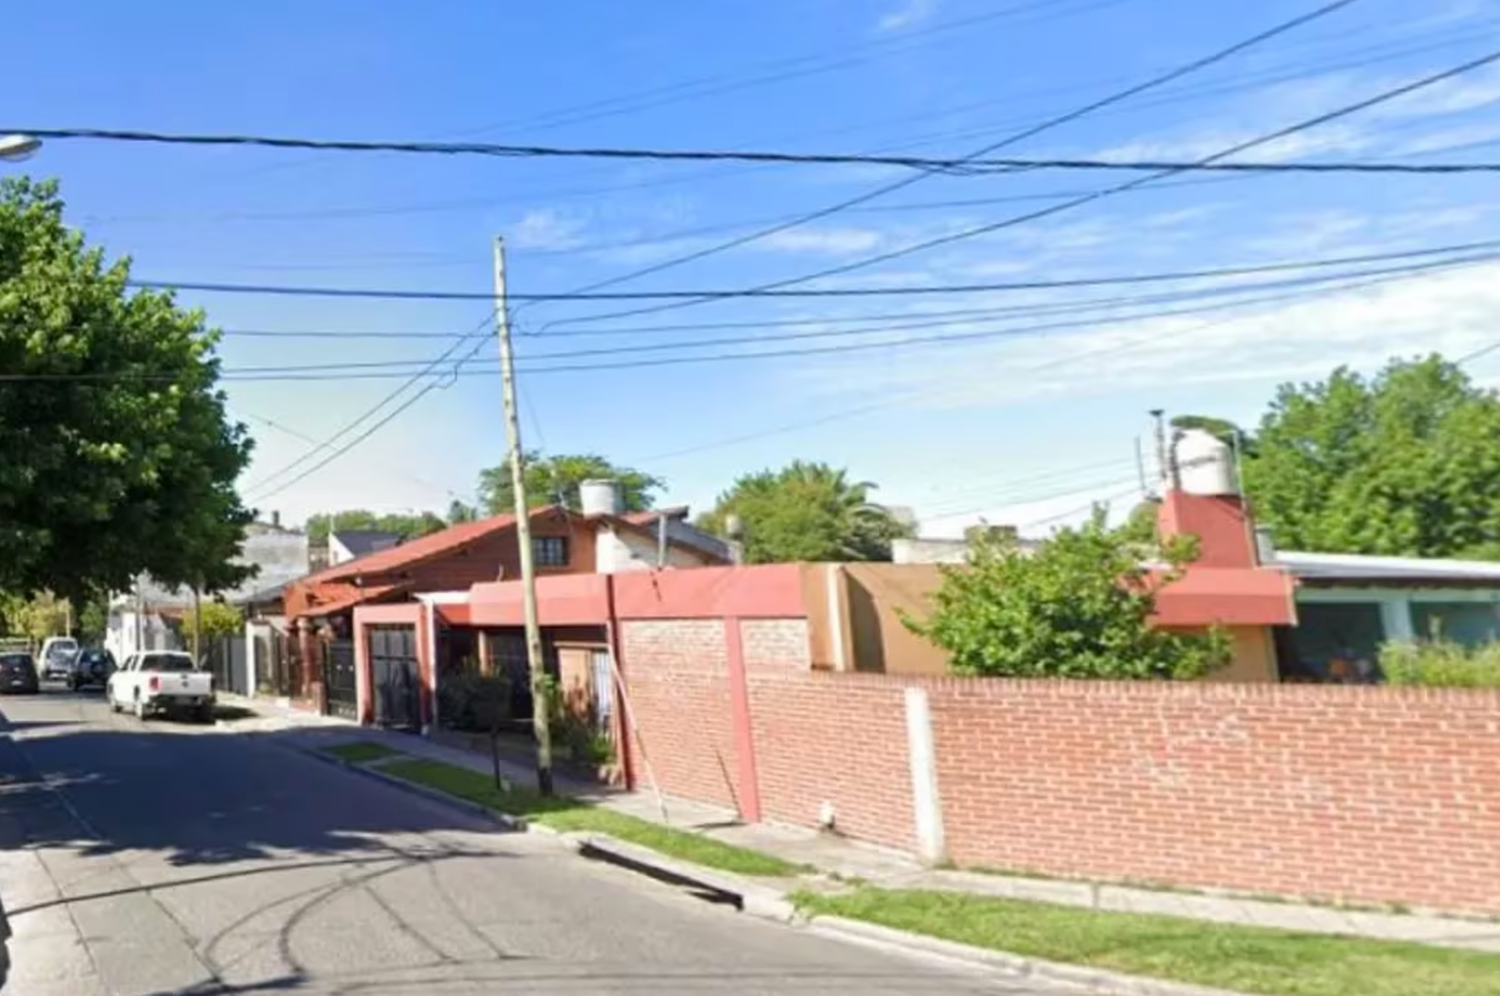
927 804
252 666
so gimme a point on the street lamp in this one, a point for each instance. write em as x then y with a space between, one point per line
15 148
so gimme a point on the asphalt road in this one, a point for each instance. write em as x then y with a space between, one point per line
153 859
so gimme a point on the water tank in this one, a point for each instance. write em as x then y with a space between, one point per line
601 497
1205 464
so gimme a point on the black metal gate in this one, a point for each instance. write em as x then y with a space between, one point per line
395 676
342 698
227 661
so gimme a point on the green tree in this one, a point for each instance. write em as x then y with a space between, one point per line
554 480
220 619
406 525
461 511
805 511
37 617
1406 463
1078 606
116 456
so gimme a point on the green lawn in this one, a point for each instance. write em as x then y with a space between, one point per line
360 751
566 815
1247 959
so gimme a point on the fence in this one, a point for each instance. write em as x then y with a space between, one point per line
1372 795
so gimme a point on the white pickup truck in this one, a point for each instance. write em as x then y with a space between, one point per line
162 681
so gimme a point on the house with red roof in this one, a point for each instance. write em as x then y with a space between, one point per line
422 586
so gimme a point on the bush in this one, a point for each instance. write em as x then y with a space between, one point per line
1441 664
1078 606
474 703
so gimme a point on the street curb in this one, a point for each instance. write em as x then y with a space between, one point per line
1088 980
505 822
749 897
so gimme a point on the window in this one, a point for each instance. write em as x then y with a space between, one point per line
550 551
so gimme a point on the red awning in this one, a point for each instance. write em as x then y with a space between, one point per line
1207 596
459 614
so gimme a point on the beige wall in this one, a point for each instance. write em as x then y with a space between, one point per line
874 597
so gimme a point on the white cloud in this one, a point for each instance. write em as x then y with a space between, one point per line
909 14
546 229
822 241
1452 313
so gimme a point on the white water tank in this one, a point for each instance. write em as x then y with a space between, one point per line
601 497
1205 464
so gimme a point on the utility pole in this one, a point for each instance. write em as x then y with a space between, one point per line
541 712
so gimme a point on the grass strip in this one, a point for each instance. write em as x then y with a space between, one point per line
1246 959
566 815
360 751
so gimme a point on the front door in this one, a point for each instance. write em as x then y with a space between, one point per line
395 677
342 698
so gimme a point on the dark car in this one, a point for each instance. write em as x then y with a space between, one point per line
18 673
92 666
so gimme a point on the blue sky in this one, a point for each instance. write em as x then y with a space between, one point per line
1020 428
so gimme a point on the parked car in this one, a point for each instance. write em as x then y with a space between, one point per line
162 681
57 658
18 673
92 666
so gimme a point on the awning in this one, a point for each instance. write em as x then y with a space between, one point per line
1227 596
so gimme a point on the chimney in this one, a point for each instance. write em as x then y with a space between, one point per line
601 497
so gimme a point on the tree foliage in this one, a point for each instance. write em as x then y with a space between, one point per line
220 619
554 480
35 618
1078 606
1406 463
805 511
406 525
106 472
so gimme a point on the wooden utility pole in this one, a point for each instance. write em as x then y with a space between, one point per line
541 687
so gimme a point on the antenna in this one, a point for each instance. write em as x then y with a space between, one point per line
1160 427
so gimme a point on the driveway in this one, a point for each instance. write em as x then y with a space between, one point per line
156 859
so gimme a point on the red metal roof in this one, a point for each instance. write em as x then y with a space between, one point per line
352 597
422 548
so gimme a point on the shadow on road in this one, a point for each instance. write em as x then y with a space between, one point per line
196 797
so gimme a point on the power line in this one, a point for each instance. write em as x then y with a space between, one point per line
1371 55
371 430
297 434
375 409
381 369
962 166
778 292
841 334
917 396
1012 139
1015 220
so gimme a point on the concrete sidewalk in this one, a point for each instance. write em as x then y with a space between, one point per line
841 860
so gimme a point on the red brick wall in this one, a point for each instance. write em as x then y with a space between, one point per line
839 738
1374 795
678 680
1334 793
